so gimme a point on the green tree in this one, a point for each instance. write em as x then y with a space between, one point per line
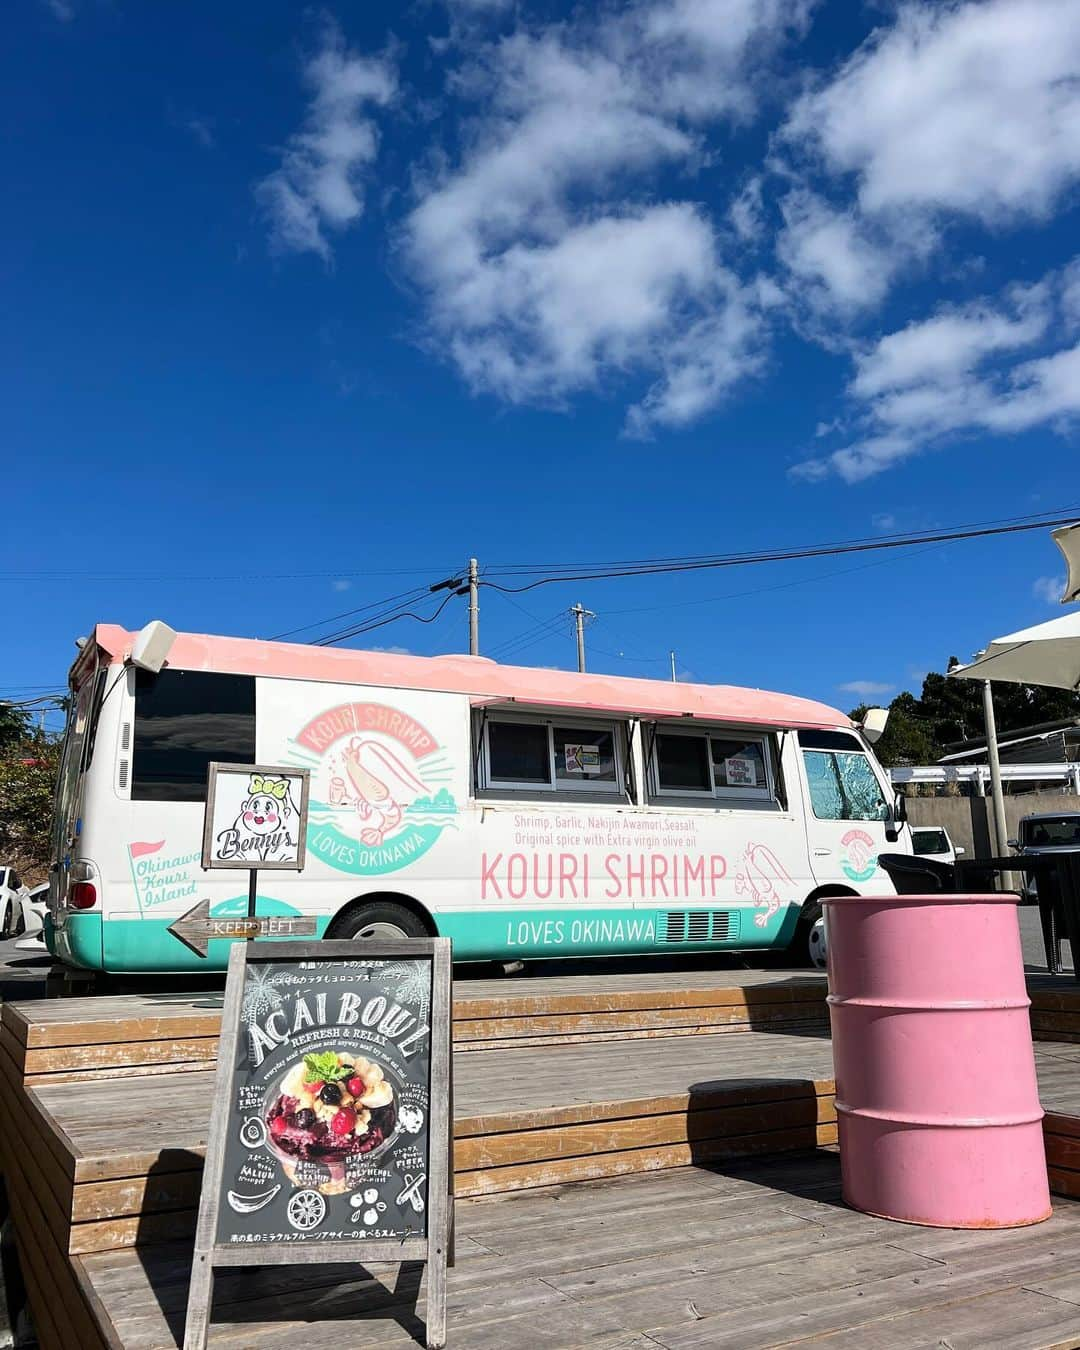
908 737
920 730
29 761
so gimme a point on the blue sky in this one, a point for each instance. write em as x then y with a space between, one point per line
305 306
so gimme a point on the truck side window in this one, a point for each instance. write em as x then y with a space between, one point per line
183 720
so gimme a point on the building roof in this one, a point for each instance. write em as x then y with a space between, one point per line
1027 744
486 681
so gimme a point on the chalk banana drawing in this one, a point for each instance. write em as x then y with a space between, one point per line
766 878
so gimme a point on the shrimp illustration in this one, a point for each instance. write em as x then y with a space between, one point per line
762 870
379 786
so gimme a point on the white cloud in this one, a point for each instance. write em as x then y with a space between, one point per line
747 211
832 253
202 129
319 185
951 344
1049 589
865 688
1070 294
548 264
341 584
962 371
971 108
61 9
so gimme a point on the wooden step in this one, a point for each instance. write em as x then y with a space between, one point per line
71 1040
119 1161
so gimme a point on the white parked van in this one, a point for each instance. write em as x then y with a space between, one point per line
523 813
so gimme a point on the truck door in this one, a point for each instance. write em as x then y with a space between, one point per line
846 811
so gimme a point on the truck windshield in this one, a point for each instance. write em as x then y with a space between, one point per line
1053 832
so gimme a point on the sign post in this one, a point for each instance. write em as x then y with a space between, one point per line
330 1126
256 818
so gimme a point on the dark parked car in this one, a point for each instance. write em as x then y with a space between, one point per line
1054 832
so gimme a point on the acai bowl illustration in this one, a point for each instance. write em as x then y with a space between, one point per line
327 1108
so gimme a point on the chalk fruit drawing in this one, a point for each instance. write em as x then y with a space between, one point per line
764 877
306 1210
250 1204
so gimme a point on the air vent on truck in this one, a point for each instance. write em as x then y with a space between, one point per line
700 925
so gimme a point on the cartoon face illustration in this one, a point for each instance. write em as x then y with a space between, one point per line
261 815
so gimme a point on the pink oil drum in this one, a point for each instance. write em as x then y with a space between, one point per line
936 1097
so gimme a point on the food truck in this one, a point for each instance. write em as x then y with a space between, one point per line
523 813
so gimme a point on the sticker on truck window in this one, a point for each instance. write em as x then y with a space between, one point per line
740 772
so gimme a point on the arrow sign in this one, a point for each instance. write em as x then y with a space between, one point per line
196 927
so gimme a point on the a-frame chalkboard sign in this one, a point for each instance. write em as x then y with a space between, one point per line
330 1127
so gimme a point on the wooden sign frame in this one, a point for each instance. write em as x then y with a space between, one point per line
436 1249
220 769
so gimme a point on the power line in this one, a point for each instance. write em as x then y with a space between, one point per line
1032 520
215 577
405 597
530 636
331 639
710 562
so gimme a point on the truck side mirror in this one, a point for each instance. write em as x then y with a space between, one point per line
1013 843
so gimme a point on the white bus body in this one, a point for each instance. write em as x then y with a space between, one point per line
523 813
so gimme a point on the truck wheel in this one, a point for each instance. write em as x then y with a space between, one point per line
808 946
382 919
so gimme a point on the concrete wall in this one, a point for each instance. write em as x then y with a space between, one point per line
969 819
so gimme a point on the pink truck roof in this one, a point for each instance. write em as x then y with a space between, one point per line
486 682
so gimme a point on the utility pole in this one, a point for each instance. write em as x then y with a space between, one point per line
471 588
474 608
580 614
673 679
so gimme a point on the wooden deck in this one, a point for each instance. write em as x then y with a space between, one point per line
66 1040
744 1257
131 1034
104 1105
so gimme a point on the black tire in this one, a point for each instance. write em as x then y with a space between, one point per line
808 945
380 919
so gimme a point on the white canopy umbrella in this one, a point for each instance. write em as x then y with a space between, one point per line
1047 654
1068 540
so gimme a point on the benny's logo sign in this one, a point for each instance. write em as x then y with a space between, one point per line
376 800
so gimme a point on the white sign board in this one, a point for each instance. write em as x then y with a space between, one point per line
256 816
740 772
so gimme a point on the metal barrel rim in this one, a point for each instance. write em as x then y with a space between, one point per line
938 1122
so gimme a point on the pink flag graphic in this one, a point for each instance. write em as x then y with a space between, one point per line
140 850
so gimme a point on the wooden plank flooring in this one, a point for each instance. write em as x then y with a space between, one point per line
119 1161
63 1040
744 1256
71 1039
